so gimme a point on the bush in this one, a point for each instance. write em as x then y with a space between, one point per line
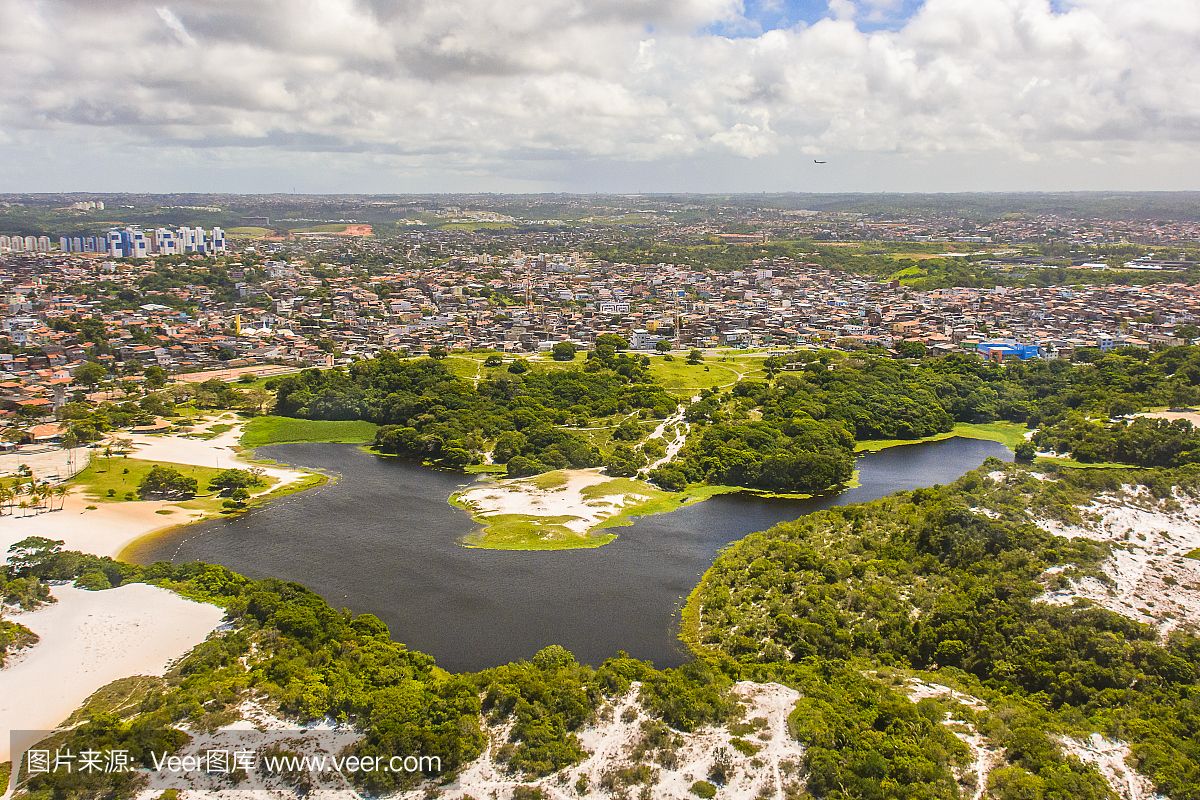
704 789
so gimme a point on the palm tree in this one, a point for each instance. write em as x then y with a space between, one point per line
23 506
61 491
69 442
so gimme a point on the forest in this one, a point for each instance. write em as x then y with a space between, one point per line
794 431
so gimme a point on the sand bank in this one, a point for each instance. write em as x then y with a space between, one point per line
89 639
104 531
560 495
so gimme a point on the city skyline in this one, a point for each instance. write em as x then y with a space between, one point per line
705 95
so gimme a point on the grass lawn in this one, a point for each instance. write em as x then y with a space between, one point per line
213 431
479 469
331 227
1009 434
530 532
249 232
122 476
265 430
1194 554
685 380
525 532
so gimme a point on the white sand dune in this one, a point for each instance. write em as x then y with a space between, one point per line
771 772
88 640
1150 577
103 531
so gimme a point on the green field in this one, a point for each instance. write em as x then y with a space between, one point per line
1009 434
714 372
266 430
525 532
123 475
249 232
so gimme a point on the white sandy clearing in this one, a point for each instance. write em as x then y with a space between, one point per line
88 640
985 756
103 531
48 463
523 496
1111 759
1152 580
772 772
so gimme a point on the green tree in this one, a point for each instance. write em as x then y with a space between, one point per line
612 340
563 351
166 483
90 373
229 480
156 377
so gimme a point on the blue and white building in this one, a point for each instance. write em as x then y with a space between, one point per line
132 242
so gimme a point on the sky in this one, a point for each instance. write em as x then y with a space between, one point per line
399 96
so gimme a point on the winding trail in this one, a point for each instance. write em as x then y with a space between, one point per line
679 428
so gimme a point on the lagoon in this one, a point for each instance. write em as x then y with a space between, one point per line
383 539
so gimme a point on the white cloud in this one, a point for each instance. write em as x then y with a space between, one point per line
478 86
175 25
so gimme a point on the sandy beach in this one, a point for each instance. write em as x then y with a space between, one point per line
89 639
107 528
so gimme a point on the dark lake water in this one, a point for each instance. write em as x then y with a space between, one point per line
383 539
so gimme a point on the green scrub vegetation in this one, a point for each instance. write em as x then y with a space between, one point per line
946 580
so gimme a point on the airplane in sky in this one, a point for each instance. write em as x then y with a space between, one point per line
815 161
